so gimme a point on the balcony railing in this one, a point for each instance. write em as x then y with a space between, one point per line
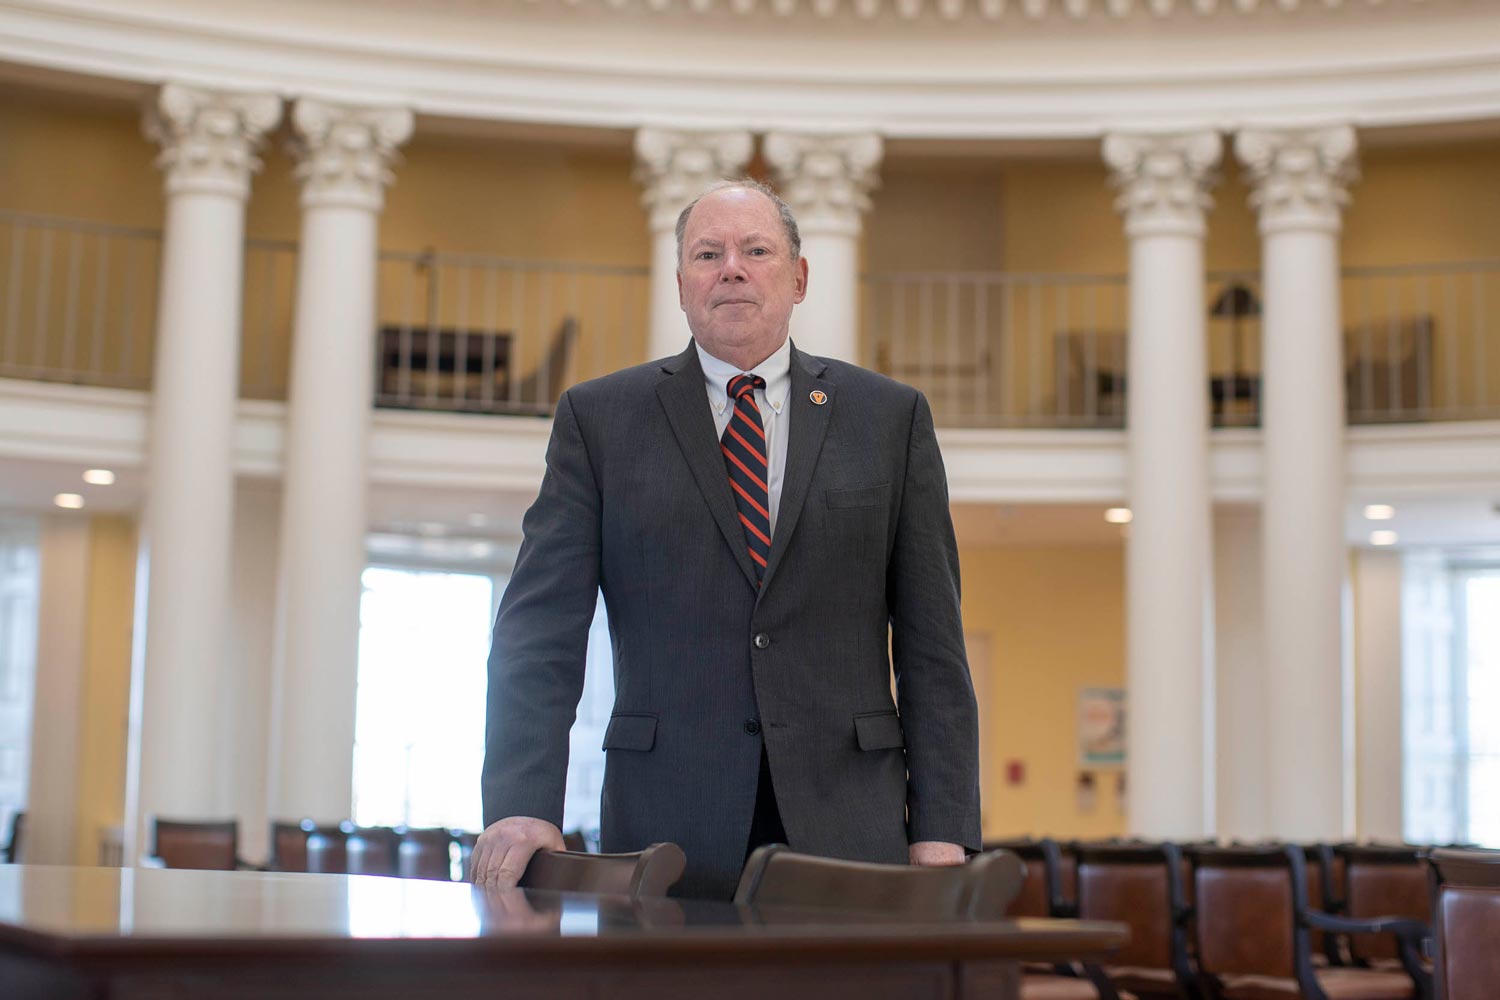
79 300
1049 350
487 334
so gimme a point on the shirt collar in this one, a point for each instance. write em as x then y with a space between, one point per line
776 370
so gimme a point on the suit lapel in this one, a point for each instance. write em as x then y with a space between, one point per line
809 425
685 400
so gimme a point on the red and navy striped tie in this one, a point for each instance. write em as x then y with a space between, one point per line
744 447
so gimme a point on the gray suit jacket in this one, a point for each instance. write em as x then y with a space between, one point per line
863 571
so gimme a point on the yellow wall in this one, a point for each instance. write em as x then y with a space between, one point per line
1054 619
104 712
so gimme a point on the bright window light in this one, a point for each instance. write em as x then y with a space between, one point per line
424 639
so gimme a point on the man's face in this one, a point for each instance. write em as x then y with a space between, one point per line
737 280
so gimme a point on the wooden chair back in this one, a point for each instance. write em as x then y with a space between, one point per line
1139 885
210 845
1466 922
979 889
1383 881
289 845
370 850
425 853
650 872
1042 893
1245 911
326 852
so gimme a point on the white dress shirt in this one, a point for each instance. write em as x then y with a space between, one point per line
775 415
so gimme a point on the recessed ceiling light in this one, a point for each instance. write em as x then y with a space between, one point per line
99 477
1382 538
1379 512
1118 515
68 501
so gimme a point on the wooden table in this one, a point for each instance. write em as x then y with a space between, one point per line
109 932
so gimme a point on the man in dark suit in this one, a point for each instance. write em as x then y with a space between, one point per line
771 534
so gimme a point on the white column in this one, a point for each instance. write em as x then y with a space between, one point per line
1299 179
1169 597
208 141
343 158
674 167
826 180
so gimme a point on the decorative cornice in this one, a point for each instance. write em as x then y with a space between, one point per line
675 165
592 66
1301 177
1163 179
826 179
344 152
209 137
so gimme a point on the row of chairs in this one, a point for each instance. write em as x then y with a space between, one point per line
339 848
1321 922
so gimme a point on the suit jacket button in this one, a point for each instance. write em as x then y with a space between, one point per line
752 727
762 640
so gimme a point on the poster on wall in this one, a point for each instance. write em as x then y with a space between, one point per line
1101 727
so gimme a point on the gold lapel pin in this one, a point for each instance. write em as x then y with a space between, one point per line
818 396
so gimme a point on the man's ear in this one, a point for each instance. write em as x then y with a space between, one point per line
799 281
681 302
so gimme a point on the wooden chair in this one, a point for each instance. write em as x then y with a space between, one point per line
1140 885
425 854
1382 881
1252 925
1051 879
650 872
208 845
11 852
289 845
978 890
540 388
1466 922
326 850
370 850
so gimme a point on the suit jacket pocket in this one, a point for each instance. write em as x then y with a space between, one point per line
630 731
863 496
878 731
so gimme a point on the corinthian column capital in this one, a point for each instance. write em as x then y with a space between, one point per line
208 138
826 179
1300 176
1163 179
675 166
344 152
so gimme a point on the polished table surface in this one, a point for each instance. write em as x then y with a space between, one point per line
155 932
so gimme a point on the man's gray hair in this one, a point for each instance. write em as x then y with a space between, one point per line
788 221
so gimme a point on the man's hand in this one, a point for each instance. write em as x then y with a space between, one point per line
931 853
505 848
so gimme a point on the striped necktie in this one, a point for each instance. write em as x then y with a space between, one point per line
744 447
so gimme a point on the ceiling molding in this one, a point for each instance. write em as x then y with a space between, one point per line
597 66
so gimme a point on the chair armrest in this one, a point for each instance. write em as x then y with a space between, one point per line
1402 927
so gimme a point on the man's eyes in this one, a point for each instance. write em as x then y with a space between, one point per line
711 254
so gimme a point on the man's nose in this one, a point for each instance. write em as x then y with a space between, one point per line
732 269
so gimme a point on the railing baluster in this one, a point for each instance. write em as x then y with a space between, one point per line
101 294
983 359
950 336
462 274
13 294
491 330
43 302
517 311
70 303
1453 341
